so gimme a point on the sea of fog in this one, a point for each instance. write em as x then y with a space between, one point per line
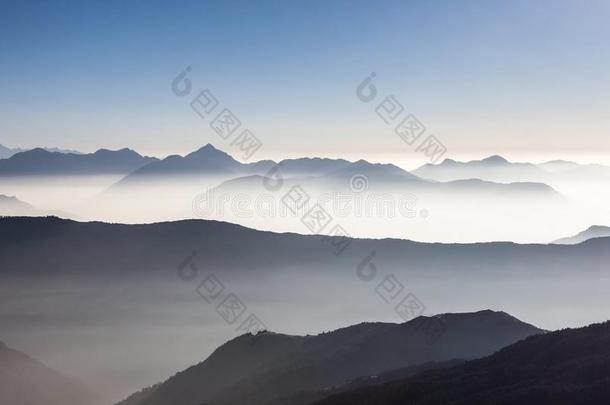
120 334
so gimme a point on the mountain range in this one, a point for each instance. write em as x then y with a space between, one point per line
322 174
12 206
204 161
494 176
570 367
596 231
6 153
173 188
40 162
271 368
122 278
209 161
498 169
25 381
69 246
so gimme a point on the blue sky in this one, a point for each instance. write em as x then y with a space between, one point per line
524 79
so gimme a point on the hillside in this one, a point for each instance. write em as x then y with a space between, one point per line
25 381
566 367
267 367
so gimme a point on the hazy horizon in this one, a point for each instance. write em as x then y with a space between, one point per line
484 78
121 270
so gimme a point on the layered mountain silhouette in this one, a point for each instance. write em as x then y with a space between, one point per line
68 246
565 367
311 166
14 207
389 179
40 162
493 168
567 170
498 169
559 165
327 175
271 368
596 231
209 161
6 153
204 162
323 173
25 381
376 173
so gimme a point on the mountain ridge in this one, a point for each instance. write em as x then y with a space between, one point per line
594 231
26 381
499 169
569 366
6 152
261 368
60 242
41 162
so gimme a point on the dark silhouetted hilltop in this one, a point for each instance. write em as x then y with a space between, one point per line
274 368
559 368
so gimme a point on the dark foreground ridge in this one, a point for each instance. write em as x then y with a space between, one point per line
566 367
70 246
271 368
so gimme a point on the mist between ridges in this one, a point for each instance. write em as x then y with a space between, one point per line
213 203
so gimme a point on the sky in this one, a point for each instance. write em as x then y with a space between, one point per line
528 80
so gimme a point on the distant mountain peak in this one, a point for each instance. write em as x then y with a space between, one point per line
496 159
39 151
208 151
596 228
204 160
595 231
366 164
209 148
71 151
123 151
485 313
